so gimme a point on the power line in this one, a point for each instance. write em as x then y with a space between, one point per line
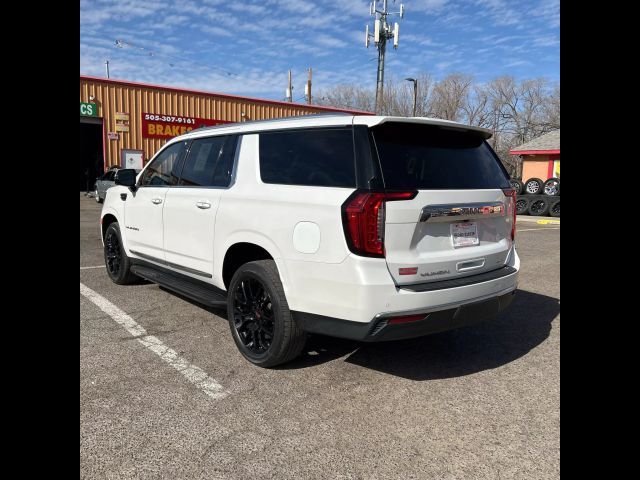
122 44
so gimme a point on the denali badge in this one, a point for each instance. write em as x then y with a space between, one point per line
431 274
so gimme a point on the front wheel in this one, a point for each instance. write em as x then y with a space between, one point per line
115 259
97 197
261 324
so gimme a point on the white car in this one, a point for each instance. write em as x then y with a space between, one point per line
362 227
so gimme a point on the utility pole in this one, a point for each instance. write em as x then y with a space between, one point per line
382 32
106 64
307 88
289 93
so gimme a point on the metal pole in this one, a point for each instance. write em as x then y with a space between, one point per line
415 96
380 82
290 88
309 88
106 64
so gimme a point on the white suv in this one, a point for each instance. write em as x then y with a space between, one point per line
363 227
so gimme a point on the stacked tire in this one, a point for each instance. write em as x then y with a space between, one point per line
537 197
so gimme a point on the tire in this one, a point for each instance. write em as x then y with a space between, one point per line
522 205
533 186
516 185
539 207
554 209
266 334
552 187
97 197
116 261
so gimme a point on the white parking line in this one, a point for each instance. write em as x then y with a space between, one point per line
94 266
194 374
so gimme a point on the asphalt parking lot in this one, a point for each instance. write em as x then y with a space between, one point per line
478 402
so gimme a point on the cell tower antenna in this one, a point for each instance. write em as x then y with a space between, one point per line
383 32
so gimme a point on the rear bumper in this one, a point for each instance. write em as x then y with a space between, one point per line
360 289
435 320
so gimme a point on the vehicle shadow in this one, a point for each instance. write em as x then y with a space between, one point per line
455 353
511 335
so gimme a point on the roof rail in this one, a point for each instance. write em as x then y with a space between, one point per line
273 120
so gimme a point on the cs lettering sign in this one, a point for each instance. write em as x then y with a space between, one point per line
88 109
167 126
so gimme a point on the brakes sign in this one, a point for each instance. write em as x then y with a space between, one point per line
156 125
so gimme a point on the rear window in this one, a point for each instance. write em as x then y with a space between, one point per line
209 162
428 157
320 157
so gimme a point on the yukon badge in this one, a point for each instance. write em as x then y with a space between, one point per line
431 274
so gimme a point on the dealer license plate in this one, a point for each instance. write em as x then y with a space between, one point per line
464 234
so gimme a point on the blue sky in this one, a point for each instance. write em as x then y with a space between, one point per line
247 47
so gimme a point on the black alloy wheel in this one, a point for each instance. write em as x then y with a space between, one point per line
115 258
112 253
522 205
261 323
539 208
253 315
516 185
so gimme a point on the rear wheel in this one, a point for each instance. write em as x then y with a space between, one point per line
552 187
522 206
539 207
554 209
533 186
259 318
115 259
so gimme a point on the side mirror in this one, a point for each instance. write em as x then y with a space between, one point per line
125 177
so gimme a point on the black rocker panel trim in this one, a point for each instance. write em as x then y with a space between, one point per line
192 288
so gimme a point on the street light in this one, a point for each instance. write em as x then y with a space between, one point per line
415 93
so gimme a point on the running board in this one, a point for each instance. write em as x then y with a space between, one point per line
199 291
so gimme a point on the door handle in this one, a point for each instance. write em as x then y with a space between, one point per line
203 204
156 201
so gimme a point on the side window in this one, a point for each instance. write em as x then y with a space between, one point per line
209 162
164 170
319 157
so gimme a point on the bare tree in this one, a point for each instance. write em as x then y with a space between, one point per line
515 111
477 108
551 109
347 96
449 96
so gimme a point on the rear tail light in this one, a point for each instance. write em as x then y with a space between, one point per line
363 219
510 193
